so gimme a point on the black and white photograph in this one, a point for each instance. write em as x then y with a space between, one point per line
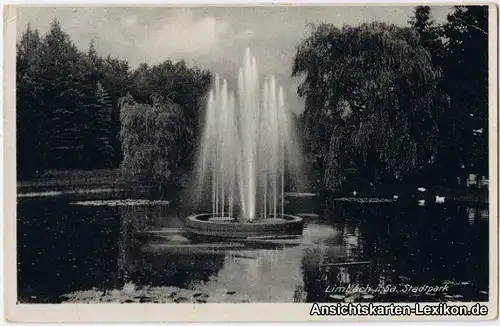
253 154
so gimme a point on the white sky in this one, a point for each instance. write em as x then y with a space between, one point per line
208 37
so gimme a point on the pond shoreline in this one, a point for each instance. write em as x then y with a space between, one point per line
73 182
131 293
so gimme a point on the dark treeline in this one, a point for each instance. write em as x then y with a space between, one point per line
68 114
384 105
398 105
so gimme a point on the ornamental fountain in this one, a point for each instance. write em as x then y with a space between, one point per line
248 154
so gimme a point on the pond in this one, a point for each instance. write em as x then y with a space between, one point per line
73 251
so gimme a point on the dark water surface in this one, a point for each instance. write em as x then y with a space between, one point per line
393 247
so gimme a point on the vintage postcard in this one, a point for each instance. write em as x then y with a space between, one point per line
215 163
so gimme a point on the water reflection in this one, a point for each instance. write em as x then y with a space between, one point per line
364 249
62 248
265 275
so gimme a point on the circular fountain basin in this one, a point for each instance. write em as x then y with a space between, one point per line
208 225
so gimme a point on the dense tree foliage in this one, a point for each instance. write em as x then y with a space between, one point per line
460 50
371 88
391 103
176 83
153 138
397 103
50 93
30 132
466 81
428 33
68 113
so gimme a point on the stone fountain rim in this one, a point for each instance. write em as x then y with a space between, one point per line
292 225
288 218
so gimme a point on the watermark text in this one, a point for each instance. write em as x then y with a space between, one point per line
417 309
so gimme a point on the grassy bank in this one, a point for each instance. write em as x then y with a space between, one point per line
64 180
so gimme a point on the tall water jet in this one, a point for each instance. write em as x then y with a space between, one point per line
248 146
282 116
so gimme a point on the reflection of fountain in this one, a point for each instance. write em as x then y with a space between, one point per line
167 259
352 237
264 275
247 147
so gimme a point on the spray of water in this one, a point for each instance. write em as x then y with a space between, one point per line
248 145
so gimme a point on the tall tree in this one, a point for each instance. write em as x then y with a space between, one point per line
466 81
428 33
30 120
103 131
60 98
369 92
421 21
430 37
117 82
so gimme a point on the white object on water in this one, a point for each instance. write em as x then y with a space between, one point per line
395 197
354 193
439 199
421 189
421 202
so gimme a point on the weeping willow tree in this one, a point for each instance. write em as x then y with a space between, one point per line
152 138
368 100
